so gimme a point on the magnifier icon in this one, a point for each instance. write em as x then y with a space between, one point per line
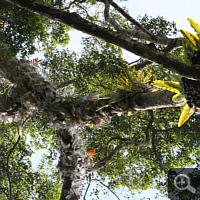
180 180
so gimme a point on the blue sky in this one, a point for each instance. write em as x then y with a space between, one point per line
172 10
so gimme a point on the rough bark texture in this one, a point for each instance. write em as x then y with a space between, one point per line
146 51
72 162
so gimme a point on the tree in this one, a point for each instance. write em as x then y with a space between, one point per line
20 29
30 94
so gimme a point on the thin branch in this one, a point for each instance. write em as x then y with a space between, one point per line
156 153
106 187
132 20
90 180
110 19
134 61
176 42
179 128
4 192
74 2
65 84
142 65
19 128
128 143
115 138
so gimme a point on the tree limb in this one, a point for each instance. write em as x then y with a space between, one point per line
143 33
128 143
142 50
142 65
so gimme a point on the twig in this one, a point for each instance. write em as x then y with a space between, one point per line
65 84
4 192
112 139
110 19
73 2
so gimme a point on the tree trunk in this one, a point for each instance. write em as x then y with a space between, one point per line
72 162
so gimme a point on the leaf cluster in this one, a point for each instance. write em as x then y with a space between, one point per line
22 29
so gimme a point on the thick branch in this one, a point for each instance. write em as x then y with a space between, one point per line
143 50
152 100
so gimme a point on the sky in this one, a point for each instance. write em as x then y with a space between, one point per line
171 10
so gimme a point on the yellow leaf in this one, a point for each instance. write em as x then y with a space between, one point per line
185 115
189 37
172 86
91 152
194 24
178 97
129 114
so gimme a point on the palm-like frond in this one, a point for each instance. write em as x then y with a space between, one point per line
131 81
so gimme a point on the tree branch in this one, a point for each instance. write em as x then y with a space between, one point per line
128 143
142 65
90 180
142 50
144 33
19 128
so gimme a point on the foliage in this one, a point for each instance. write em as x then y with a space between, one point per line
192 42
43 183
158 26
137 168
193 39
98 69
175 87
21 29
185 115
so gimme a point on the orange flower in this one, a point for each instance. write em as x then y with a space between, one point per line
91 152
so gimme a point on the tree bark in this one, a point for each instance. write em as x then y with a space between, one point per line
143 50
72 162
